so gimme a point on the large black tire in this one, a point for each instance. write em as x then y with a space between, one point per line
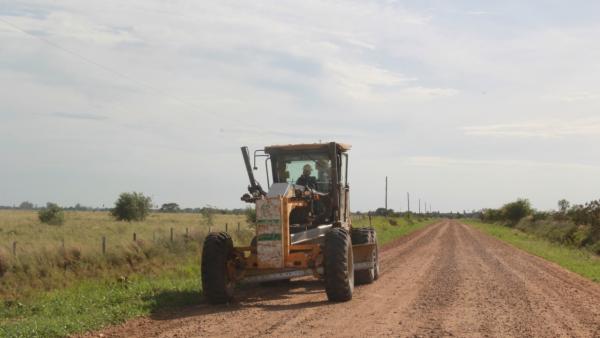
364 236
339 265
216 252
361 235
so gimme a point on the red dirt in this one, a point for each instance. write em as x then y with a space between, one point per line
445 280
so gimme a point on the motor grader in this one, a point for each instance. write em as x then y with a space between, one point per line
303 227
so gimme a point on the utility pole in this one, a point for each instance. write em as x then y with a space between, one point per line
386 192
408 202
419 206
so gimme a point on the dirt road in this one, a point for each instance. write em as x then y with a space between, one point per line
445 280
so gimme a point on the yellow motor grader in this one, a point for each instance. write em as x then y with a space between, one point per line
303 227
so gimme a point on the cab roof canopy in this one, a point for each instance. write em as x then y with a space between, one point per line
306 146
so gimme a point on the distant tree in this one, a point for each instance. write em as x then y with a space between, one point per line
383 212
52 214
563 206
132 206
490 215
208 214
26 205
80 207
170 207
513 212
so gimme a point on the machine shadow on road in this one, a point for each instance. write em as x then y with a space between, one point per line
281 296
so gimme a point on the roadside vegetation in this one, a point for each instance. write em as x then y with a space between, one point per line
390 228
38 256
579 261
569 236
97 293
576 226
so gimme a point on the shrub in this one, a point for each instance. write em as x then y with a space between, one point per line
170 207
539 216
52 214
26 205
563 233
491 215
514 211
582 236
132 207
595 248
208 212
588 214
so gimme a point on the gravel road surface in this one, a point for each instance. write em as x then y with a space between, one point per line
444 280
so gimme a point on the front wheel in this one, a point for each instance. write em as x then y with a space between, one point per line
338 265
217 252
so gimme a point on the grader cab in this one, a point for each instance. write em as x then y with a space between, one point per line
303 227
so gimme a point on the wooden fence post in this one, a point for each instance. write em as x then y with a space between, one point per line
103 245
171 234
14 248
225 227
134 237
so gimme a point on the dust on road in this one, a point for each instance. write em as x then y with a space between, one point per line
445 280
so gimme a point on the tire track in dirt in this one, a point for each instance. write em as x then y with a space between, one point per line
508 306
560 298
445 280
440 290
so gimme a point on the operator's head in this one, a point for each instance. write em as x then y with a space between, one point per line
306 170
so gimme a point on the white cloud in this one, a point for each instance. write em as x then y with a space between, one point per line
428 93
541 129
174 88
477 13
573 96
444 162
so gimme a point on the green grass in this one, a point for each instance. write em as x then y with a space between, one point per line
386 231
93 303
579 261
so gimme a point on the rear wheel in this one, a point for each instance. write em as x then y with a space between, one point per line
216 253
364 236
338 265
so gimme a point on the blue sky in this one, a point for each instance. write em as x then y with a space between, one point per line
466 104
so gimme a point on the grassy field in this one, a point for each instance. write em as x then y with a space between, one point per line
49 257
389 229
85 229
577 260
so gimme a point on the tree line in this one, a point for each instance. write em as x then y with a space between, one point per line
130 206
571 224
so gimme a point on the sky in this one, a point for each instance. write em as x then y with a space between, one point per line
464 104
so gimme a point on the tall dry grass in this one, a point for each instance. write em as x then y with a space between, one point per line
49 256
